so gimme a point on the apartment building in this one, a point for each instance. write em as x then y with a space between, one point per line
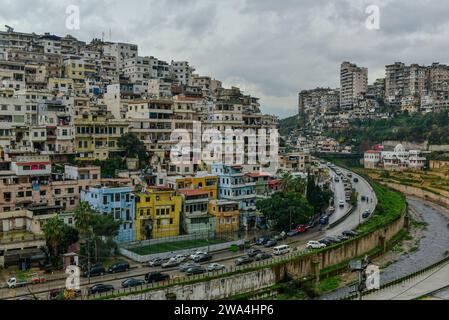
181 72
118 202
120 51
158 213
353 83
319 100
202 181
208 85
295 162
398 159
97 135
195 212
227 216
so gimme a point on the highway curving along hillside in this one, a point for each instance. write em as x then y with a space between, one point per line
228 258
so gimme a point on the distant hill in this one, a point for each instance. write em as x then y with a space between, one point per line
288 124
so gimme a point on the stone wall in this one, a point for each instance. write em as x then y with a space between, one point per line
419 193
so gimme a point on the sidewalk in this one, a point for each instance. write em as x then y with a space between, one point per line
414 288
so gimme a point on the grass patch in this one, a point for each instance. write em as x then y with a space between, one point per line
329 284
418 224
174 246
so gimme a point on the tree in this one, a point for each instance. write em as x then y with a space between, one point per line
84 217
59 237
286 209
134 147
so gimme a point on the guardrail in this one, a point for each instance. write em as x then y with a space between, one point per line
343 218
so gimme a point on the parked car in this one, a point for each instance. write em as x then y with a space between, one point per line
129 283
215 267
334 239
184 267
196 254
343 237
172 263
315 245
203 258
271 243
366 214
292 233
262 240
195 270
100 288
119 267
350 233
326 242
244 260
156 262
95 271
253 252
262 256
156 277
281 236
324 220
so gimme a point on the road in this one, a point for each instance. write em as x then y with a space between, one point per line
226 258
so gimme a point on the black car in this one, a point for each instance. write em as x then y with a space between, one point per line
100 288
253 252
366 214
129 283
95 271
334 239
156 277
119 267
343 237
262 256
350 233
261 241
326 241
244 260
356 180
195 270
203 258
271 243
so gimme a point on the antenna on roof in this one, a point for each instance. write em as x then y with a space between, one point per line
110 34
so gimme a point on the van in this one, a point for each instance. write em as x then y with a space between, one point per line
280 250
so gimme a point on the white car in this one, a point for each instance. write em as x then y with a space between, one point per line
197 254
315 245
215 267
341 204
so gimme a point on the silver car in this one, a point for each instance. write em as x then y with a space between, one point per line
215 267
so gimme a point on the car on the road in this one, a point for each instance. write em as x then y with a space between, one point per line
324 220
95 271
196 254
156 262
130 283
253 252
262 240
195 270
363 198
280 237
119 267
356 180
271 243
343 238
334 239
244 260
366 214
172 263
292 233
203 258
337 179
156 277
341 203
349 175
325 241
350 233
262 256
100 288
315 245
215 267
185 266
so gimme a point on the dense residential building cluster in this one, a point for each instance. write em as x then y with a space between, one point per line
65 104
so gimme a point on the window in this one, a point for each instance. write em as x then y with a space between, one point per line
117 197
57 191
70 190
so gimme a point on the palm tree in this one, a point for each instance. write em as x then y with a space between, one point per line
299 185
84 218
287 182
54 232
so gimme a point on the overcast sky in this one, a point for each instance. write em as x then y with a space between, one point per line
270 48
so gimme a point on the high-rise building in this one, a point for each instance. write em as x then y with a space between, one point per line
354 82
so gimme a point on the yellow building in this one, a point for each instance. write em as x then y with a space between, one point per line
74 69
207 183
158 214
227 215
97 136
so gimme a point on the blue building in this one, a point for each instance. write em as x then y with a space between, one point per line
233 185
118 202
